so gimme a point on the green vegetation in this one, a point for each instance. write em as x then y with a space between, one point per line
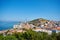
39 21
31 35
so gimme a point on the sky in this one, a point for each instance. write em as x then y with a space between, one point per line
20 10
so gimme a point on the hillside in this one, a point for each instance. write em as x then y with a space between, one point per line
38 21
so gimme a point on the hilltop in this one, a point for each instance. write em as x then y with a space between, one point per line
38 21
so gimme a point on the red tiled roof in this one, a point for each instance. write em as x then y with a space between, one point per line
58 28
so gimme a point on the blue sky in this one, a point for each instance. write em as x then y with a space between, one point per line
18 10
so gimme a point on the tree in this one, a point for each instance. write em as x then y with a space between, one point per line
53 36
1 37
58 36
10 37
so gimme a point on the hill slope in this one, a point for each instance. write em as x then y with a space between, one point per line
39 21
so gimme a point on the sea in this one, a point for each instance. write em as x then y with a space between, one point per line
5 25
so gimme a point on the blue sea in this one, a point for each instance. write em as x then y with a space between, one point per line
7 25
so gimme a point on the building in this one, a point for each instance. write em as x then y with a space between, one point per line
42 30
23 25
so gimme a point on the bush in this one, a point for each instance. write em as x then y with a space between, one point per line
31 35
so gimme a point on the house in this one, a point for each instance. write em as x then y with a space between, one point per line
42 30
57 28
18 26
24 25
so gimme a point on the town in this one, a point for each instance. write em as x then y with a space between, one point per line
40 25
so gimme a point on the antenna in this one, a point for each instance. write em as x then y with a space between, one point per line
26 20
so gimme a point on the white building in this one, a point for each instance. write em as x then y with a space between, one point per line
18 26
43 30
